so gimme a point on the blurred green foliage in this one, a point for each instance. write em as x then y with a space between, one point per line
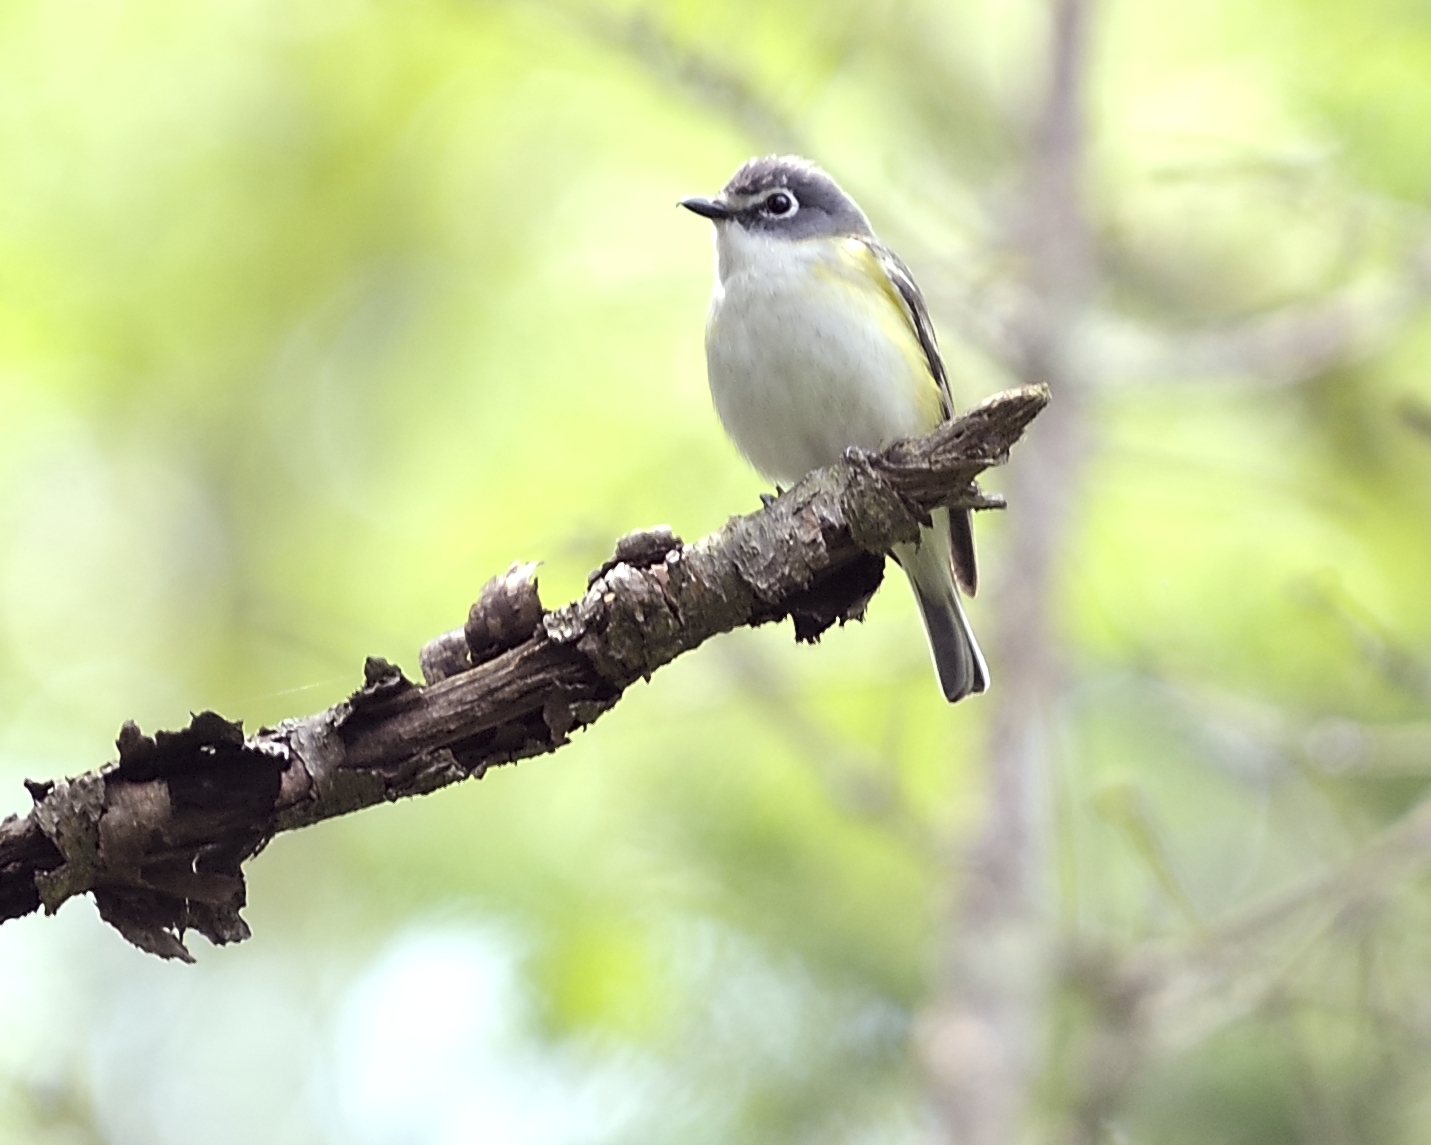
315 314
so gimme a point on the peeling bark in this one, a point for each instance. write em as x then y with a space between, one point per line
160 836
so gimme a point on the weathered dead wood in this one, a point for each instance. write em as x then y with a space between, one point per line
160 835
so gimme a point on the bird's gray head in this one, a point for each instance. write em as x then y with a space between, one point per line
783 196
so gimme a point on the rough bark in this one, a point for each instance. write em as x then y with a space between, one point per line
159 836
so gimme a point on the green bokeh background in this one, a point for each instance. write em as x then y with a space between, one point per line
315 314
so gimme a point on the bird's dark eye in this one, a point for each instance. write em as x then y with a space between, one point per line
779 204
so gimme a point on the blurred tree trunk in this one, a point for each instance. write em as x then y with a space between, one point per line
982 1037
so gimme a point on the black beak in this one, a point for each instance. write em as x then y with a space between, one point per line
710 208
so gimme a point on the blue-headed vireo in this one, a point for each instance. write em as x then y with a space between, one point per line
818 339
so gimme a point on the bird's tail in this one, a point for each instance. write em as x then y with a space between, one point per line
957 659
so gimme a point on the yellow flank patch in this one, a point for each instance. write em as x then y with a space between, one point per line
858 270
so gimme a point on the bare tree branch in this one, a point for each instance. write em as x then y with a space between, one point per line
160 836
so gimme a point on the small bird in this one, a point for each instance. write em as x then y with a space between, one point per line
818 339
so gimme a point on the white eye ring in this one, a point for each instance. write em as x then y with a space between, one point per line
786 203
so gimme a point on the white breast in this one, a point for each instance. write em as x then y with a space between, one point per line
803 360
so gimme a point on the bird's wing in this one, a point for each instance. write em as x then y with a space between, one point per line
916 313
961 531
